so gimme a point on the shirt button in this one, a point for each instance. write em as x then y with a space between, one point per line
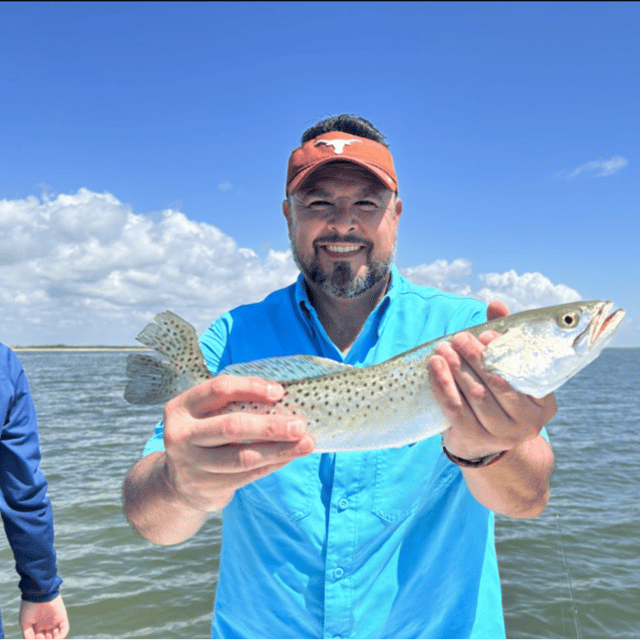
338 573
343 504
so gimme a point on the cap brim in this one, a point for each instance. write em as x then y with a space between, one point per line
385 180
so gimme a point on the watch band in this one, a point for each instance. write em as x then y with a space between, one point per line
478 462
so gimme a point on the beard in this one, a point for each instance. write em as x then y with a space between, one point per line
341 282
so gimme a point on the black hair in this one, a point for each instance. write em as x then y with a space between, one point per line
347 123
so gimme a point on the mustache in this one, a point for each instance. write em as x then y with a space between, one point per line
348 239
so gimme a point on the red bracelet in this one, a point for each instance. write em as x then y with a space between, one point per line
478 462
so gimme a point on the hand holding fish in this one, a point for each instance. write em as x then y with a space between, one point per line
486 416
485 413
208 455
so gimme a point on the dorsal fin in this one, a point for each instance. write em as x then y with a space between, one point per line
286 368
171 337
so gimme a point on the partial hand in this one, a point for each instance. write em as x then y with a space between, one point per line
208 455
44 619
486 415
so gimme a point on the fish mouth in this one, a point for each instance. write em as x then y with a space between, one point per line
600 329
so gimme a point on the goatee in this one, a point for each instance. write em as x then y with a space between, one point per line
341 282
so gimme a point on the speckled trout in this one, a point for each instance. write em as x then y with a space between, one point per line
390 404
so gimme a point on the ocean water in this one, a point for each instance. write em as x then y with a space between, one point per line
572 572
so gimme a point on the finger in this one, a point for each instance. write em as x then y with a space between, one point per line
477 384
203 487
211 395
487 336
240 458
453 403
497 309
467 436
547 404
208 486
241 427
501 409
549 407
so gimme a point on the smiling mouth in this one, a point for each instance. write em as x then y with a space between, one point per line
337 247
342 248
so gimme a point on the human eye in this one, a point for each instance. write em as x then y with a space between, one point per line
367 205
318 204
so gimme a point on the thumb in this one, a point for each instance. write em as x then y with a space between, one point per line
497 309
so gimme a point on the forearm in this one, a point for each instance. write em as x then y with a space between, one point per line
518 484
28 515
153 508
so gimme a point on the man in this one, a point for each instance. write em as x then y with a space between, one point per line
391 543
26 510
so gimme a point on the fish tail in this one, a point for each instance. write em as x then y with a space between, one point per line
151 381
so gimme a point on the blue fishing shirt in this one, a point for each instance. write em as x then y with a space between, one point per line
370 544
26 510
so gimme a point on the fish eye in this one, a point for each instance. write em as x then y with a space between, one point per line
568 319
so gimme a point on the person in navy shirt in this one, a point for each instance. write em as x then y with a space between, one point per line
26 510
390 543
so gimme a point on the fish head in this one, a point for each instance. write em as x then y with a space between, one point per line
539 350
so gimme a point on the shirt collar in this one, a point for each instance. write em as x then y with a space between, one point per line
376 317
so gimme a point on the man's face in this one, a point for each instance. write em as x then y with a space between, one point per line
343 226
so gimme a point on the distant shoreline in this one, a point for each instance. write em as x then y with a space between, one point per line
90 348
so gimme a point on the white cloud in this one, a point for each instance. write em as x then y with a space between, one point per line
600 168
518 292
439 273
225 186
85 269
526 291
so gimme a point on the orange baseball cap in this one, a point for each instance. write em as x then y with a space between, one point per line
337 145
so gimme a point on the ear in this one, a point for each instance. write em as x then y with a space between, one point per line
398 210
286 210
398 207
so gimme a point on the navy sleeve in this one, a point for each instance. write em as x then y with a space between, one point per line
26 510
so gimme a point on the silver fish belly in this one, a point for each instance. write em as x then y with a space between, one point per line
386 405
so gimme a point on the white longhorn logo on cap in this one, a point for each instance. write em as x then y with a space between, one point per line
338 145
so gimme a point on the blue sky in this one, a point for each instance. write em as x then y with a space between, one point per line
144 149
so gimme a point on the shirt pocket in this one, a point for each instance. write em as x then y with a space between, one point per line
402 479
288 492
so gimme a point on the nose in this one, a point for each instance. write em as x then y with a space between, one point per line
343 219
